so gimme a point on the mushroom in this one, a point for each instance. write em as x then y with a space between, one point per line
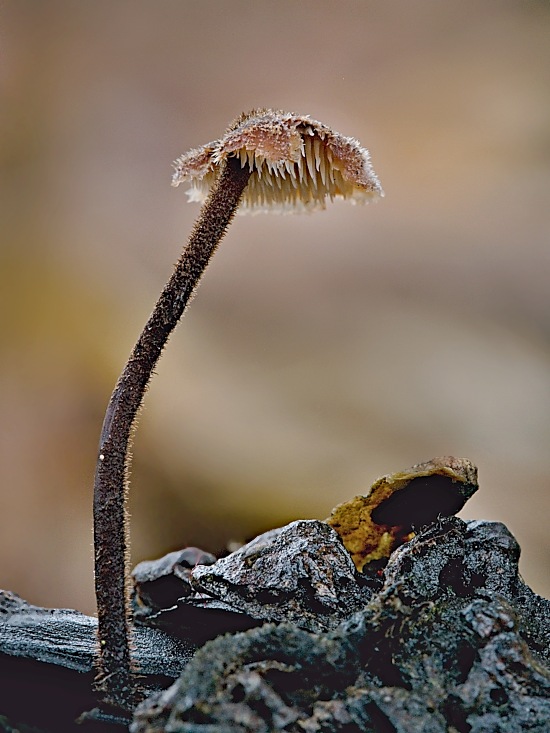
266 160
295 163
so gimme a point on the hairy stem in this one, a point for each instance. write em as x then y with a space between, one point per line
115 678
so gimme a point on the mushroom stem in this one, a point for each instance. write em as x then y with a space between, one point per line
116 679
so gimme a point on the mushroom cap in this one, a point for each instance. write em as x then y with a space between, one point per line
295 163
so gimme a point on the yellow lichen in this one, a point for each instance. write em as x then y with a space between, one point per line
372 526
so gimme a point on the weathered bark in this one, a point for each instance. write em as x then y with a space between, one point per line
445 636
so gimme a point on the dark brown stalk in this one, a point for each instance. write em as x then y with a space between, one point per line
116 679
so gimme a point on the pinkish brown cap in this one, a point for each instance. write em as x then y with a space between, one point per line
295 164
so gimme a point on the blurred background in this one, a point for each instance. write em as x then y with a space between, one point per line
322 351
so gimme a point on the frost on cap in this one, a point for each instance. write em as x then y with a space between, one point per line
295 164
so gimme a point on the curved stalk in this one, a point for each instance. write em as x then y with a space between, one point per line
116 679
